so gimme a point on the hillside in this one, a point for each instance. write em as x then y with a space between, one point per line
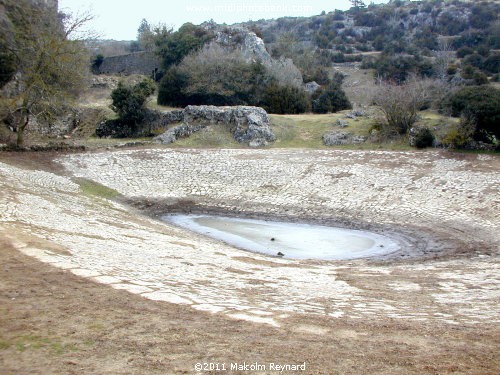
417 33
323 64
366 29
457 40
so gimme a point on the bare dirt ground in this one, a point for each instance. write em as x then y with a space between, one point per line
90 285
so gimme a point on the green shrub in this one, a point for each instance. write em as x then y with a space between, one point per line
474 60
421 137
174 47
460 135
468 72
482 15
128 102
426 39
448 24
285 100
319 75
492 64
464 51
171 86
322 104
471 39
483 50
398 68
480 78
214 76
452 69
480 104
331 99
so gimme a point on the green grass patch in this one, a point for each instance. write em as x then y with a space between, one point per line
306 131
95 189
152 104
29 342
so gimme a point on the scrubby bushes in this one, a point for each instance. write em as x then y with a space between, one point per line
421 137
128 101
460 135
213 76
479 105
398 68
218 76
400 104
129 105
330 99
173 47
97 62
285 99
464 51
492 64
171 86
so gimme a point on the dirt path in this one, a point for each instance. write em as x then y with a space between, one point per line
394 317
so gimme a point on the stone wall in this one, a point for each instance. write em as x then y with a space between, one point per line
134 63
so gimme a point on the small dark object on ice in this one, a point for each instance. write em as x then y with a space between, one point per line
272 239
280 254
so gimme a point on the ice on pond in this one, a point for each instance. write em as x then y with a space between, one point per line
290 240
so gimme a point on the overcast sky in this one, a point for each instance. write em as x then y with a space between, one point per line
119 19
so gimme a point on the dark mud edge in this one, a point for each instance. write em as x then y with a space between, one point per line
418 243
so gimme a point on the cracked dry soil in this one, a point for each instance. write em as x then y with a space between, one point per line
90 285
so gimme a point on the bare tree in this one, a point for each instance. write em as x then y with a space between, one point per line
285 72
214 70
52 68
400 104
224 72
443 57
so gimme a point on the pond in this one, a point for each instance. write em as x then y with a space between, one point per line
288 240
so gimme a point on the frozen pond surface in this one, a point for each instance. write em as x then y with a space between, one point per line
290 240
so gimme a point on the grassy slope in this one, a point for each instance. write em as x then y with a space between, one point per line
307 130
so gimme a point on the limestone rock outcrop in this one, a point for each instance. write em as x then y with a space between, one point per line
341 138
247 124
